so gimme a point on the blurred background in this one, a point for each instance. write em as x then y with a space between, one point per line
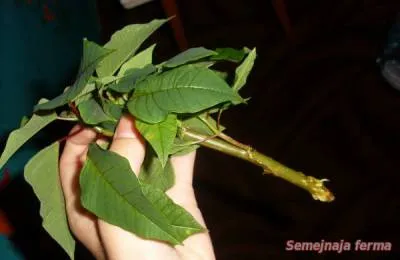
318 104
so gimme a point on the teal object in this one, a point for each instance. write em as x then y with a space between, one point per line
40 50
7 250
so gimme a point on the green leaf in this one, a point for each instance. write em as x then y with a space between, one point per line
126 42
92 55
85 94
189 55
203 64
138 61
41 172
200 127
92 113
114 111
18 137
186 89
229 54
105 80
153 173
160 135
112 191
109 126
23 121
182 147
243 71
128 82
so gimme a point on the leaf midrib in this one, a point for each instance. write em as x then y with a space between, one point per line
144 93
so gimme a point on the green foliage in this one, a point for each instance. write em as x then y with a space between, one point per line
153 173
126 42
92 55
186 89
229 54
138 61
113 192
127 82
160 135
18 137
92 113
175 95
243 71
187 56
41 172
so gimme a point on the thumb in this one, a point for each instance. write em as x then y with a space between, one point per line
128 143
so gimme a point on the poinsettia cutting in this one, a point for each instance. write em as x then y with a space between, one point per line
173 102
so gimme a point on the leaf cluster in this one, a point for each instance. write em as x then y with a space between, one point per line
166 98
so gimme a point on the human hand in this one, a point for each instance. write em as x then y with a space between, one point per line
107 241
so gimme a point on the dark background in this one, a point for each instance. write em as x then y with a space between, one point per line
319 105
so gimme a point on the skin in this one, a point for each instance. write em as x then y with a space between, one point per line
106 241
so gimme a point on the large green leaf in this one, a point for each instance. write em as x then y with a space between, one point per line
243 71
138 61
189 55
41 172
153 173
186 89
92 55
112 191
92 112
126 42
160 135
18 137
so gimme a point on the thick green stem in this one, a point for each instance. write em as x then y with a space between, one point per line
314 186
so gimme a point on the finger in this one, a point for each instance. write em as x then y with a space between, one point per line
182 191
127 142
72 159
82 223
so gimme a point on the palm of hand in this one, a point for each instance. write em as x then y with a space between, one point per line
107 241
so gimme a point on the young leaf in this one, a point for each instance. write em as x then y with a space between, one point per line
189 55
138 61
229 54
112 191
127 82
41 172
243 71
186 89
92 113
92 55
18 137
126 42
154 174
160 135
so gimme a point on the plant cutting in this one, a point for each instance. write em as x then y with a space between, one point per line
177 105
